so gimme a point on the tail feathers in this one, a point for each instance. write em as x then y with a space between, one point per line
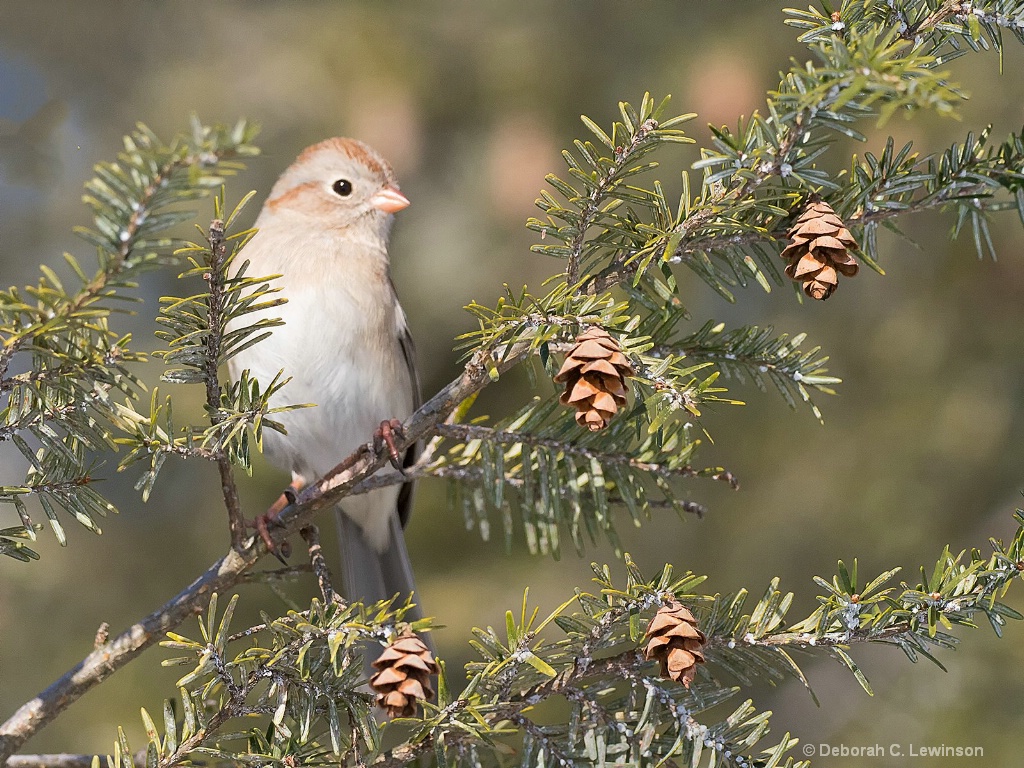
368 575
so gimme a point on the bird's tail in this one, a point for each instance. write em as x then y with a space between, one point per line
368 575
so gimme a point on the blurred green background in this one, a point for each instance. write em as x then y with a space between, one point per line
472 102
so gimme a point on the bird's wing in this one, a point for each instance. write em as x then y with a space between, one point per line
413 452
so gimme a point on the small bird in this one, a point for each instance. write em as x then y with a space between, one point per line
345 344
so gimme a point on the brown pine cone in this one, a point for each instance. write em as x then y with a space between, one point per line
403 676
594 373
819 251
674 639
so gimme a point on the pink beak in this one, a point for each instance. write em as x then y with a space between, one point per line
389 200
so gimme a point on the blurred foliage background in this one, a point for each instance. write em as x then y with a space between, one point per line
472 102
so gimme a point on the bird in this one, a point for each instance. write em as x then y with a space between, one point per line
345 343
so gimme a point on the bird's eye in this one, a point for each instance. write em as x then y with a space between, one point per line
343 187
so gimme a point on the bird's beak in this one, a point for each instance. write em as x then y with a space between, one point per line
389 200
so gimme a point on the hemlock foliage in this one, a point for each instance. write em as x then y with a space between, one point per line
571 688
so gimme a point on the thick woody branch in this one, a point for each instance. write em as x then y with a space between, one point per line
107 659
234 566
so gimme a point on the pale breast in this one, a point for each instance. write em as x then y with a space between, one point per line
340 346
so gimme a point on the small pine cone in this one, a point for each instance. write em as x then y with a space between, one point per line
594 373
674 640
819 251
403 676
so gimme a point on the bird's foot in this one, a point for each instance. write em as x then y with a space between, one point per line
384 437
264 522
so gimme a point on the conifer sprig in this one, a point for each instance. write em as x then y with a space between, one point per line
555 490
557 482
973 178
299 675
946 29
60 408
759 355
600 173
203 331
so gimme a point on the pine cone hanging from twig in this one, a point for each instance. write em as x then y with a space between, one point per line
594 373
403 676
819 251
674 639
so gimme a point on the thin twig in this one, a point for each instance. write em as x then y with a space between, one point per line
215 310
474 474
33 419
936 17
78 369
590 206
502 437
279 574
311 535
617 666
624 665
715 242
232 708
806 640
